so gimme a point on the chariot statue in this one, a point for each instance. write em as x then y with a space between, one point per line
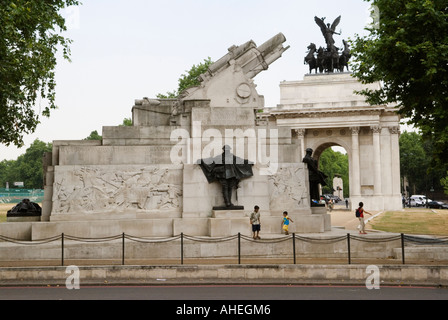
331 58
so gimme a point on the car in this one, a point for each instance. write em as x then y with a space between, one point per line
418 200
437 205
337 199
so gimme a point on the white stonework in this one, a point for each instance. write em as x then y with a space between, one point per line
324 111
144 180
117 189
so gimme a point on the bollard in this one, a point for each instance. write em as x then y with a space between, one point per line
348 249
239 248
62 249
402 249
294 246
122 249
181 248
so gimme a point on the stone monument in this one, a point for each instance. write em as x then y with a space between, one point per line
147 179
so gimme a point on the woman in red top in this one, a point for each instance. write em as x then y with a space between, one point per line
361 218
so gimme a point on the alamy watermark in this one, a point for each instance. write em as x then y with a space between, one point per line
258 146
373 278
374 17
73 280
72 17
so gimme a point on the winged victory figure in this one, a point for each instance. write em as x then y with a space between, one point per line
328 30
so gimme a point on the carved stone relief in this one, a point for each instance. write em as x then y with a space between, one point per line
88 189
288 190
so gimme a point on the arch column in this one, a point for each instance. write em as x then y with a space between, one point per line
377 190
301 137
395 150
355 188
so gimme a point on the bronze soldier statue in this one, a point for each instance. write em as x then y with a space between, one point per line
228 170
316 177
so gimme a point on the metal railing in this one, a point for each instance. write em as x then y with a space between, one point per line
293 238
14 196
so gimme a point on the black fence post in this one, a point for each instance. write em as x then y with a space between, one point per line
402 249
122 249
62 249
294 246
348 249
181 248
239 248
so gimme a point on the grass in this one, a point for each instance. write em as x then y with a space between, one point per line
413 221
409 221
4 208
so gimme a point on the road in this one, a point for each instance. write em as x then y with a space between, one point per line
223 293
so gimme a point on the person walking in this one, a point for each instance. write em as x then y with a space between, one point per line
255 221
360 215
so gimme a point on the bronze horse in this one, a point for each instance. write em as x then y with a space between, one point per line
310 59
345 57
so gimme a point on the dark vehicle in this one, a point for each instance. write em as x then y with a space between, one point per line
437 205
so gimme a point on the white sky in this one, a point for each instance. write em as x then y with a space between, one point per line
127 50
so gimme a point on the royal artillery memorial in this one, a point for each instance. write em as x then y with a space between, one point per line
198 164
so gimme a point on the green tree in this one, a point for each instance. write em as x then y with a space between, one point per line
334 163
407 51
188 80
94 135
127 122
414 161
29 41
444 183
6 167
27 168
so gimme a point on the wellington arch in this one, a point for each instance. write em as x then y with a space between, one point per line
323 110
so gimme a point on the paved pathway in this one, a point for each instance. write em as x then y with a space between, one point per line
341 217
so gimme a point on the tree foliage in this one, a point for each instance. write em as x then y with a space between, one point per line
29 41
27 168
94 135
407 51
413 160
188 80
444 183
127 122
416 164
334 163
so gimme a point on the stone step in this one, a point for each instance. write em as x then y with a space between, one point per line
168 227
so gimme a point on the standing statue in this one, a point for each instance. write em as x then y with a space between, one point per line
228 169
316 177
